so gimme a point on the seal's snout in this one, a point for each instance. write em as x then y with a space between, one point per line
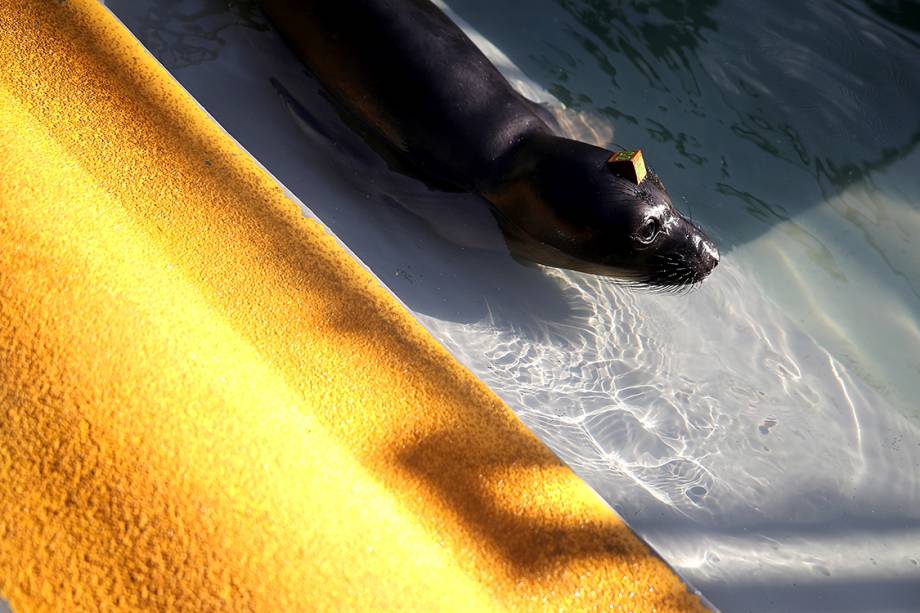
701 257
709 253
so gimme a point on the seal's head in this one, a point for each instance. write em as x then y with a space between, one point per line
564 203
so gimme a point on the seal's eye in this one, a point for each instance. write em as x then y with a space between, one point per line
649 230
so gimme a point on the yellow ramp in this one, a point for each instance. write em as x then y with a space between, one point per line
206 404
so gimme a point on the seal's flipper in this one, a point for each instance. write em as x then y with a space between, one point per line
307 122
316 129
348 135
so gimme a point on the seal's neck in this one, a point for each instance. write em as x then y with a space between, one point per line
544 185
540 151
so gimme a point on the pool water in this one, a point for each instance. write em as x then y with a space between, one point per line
761 432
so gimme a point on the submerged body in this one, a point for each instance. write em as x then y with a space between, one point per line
414 85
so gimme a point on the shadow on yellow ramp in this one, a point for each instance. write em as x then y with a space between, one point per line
206 404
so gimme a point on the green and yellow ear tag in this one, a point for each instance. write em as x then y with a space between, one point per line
629 165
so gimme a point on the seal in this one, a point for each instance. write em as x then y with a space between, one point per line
425 97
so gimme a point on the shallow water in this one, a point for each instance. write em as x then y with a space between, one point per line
761 432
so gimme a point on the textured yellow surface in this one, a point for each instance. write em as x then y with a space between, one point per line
207 405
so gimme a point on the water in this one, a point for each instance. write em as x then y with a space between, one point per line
792 118
761 433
